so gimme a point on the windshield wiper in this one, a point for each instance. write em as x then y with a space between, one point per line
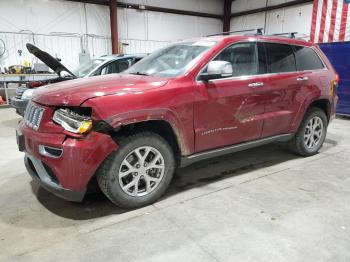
140 73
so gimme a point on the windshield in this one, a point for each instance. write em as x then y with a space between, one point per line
171 61
86 68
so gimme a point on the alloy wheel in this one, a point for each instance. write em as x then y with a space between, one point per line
313 132
141 171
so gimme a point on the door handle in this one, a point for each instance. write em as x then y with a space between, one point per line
256 84
305 78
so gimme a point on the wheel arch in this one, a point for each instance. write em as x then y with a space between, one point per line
163 122
323 103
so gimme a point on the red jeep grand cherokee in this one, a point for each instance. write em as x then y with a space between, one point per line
187 102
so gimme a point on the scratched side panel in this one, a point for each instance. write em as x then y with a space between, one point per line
284 96
226 112
172 103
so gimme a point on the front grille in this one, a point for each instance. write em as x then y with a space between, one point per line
20 91
33 115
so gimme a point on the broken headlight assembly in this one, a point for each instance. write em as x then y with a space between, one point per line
75 120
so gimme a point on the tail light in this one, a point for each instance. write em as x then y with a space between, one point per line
334 85
337 78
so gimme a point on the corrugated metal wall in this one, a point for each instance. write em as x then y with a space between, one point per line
68 47
58 27
289 19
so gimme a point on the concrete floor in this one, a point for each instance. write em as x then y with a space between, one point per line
263 204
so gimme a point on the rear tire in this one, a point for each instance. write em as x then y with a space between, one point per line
139 172
311 134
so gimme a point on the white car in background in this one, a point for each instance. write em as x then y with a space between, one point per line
107 64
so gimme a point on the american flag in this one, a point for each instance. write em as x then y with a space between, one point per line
330 21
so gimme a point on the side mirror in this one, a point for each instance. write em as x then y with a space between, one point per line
217 69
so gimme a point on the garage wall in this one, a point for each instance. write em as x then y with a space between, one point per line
289 19
64 28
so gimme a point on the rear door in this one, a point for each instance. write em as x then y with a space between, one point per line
314 79
282 88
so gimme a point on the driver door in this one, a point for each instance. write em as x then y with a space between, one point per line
228 110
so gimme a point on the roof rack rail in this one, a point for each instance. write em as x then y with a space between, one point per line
258 31
289 34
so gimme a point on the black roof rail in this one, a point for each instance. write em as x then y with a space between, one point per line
289 34
257 31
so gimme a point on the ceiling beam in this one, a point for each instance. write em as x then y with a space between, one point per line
227 15
151 8
114 25
168 10
95 2
269 8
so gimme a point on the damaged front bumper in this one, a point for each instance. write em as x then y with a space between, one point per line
41 174
61 164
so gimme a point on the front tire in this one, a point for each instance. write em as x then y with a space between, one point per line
311 134
139 172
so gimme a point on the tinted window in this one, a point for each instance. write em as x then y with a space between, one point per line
243 58
104 70
116 66
280 58
137 59
121 65
307 59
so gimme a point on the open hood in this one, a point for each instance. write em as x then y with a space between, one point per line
47 59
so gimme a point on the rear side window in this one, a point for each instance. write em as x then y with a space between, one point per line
307 59
280 58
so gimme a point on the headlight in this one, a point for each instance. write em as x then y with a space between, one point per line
73 120
28 94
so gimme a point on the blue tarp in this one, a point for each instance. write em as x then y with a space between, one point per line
339 55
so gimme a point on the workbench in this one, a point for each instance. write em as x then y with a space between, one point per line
5 79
